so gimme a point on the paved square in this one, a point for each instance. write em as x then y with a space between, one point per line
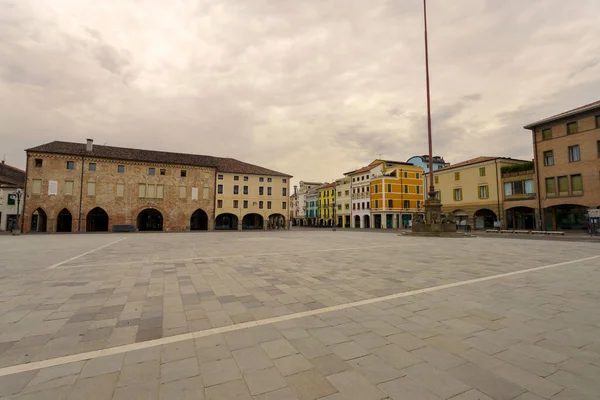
297 315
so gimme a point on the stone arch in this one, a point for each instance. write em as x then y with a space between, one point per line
226 221
357 221
199 220
150 219
39 220
252 221
484 218
96 220
367 221
64 221
276 221
520 218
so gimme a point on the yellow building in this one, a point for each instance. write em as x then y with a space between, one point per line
396 194
343 201
471 190
257 199
326 204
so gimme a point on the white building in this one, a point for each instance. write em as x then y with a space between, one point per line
360 184
300 216
343 202
11 179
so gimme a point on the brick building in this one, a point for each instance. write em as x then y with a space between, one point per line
85 187
567 165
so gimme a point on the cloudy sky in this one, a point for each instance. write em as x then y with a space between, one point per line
313 88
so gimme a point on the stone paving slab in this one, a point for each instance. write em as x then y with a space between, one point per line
527 336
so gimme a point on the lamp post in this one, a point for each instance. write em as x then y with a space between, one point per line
18 195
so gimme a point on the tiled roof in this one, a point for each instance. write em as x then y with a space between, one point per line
475 160
11 175
587 107
325 186
361 170
123 153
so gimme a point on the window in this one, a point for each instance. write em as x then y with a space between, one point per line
183 173
390 203
284 205
353 179
389 187
269 191
261 179
70 165
563 186
332 192
368 204
546 134
418 203
245 203
269 179
482 171
36 186
220 177
548 158
550 187
339 194
151 191
38 163
405 188
347 206
182 192
261 204
163 171
121 169
354 206
151 171
457 176
508 189
91 188
376 189
236 189
483 192
261 190
576 185
458 194
406 203
205 192
284 180
141 190
219 203
367 189
376 203
120 189
69 188
571 128
418 189
347 192
406 174
418 177
284 192
268 205
436 179
236 203
11 199
574 154
518 187
245 189
245 179
529 188
220 189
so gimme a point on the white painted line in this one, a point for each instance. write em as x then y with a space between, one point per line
15 369
84 254
283 253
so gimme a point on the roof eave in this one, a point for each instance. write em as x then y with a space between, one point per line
568 114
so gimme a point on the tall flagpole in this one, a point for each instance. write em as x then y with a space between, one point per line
431 193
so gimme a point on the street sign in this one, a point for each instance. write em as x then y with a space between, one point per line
594 213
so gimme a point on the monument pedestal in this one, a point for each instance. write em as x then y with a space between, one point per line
434 225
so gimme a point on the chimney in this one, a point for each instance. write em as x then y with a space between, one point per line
89 145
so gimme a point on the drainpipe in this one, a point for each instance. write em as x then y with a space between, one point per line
81 193
24 197
541 225
500 212
214 220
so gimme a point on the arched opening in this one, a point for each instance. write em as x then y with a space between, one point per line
321 222
367 220
485 218
252 221
199 221
520 218
226 222
276 221
461 217
39 221
150 219
357 221
96 220
565 216
64 221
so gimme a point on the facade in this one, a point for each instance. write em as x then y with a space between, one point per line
396 195
360 186
343 202
471 190
423 162
311 205
326 204
77 187
300 215
294 206
519 194
11 179
567 164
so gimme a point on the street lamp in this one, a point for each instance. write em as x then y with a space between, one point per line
18 195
